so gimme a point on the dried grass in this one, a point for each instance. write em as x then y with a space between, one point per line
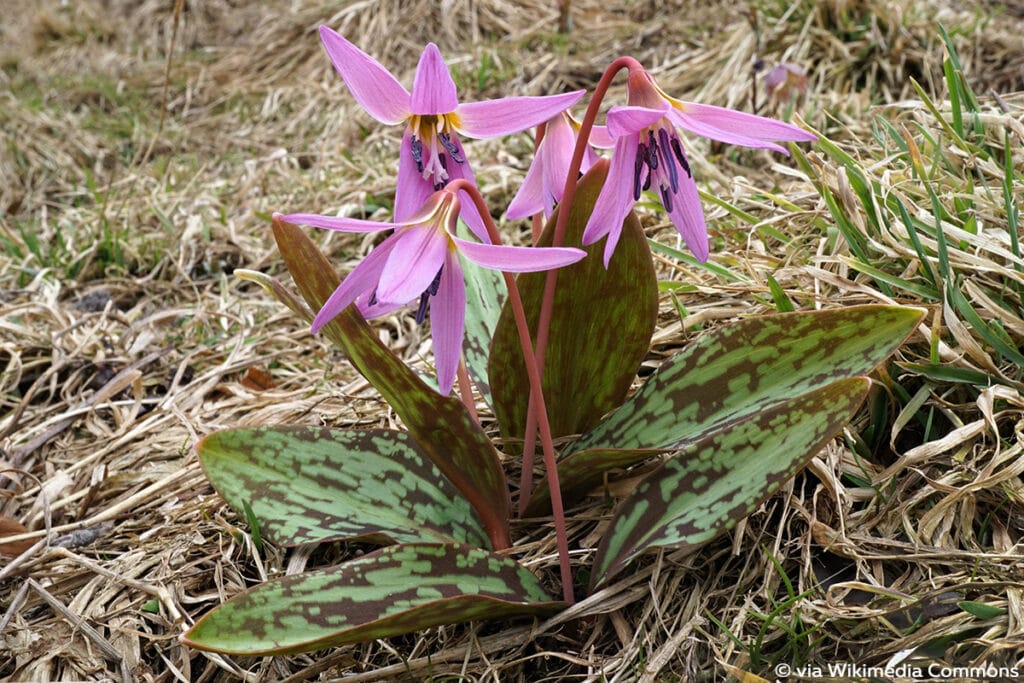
124 338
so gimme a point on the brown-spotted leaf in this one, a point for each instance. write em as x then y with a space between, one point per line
727 375
440 425
312 484
720 479
600 331
399 589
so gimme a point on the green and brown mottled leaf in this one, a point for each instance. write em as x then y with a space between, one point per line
720 479
727 375
600 331
440 425
312 484
399 589
745 367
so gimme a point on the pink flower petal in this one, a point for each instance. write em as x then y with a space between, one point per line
469 212
361 280
628 120
601 138
518 259
415 259
616 198
687 215
433 91
334 222
371 84
511 114
737 128
531 197
412 189
448 322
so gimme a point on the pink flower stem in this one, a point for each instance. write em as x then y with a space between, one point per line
551 280
466 390
536 393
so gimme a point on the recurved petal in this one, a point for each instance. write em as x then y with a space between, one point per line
518 259
616 198
737 128
433 91
687 215
630 120
361 280
509 115
448 322
412 266
334 222
531 197
371 84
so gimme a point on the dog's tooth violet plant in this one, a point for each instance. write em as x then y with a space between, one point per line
554 351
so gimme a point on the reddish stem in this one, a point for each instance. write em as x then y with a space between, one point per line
536 393
551 280
466 391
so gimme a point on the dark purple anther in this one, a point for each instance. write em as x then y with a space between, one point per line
417 153
678 149
652 150
638 167
673 174
666 199
450 146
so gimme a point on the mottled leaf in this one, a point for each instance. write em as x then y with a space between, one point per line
720 479
312 484
601 326
745 367
726 375
399 589
440 425
485 295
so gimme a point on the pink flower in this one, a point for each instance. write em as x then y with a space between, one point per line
432 153
421 259
649 154
545 180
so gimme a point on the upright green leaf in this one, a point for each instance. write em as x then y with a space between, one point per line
440 425
396 590
312 484
720 479
727 375
601 326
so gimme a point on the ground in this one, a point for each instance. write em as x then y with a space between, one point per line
145 146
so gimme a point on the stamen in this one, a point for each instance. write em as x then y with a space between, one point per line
421 312
647 183
436 284
373 298
652 150
673 174
678 149
638 167
431 290
450 147
417 153
666 199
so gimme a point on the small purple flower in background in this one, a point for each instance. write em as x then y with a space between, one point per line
785 81
545 180
432 153
421 259
649 154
